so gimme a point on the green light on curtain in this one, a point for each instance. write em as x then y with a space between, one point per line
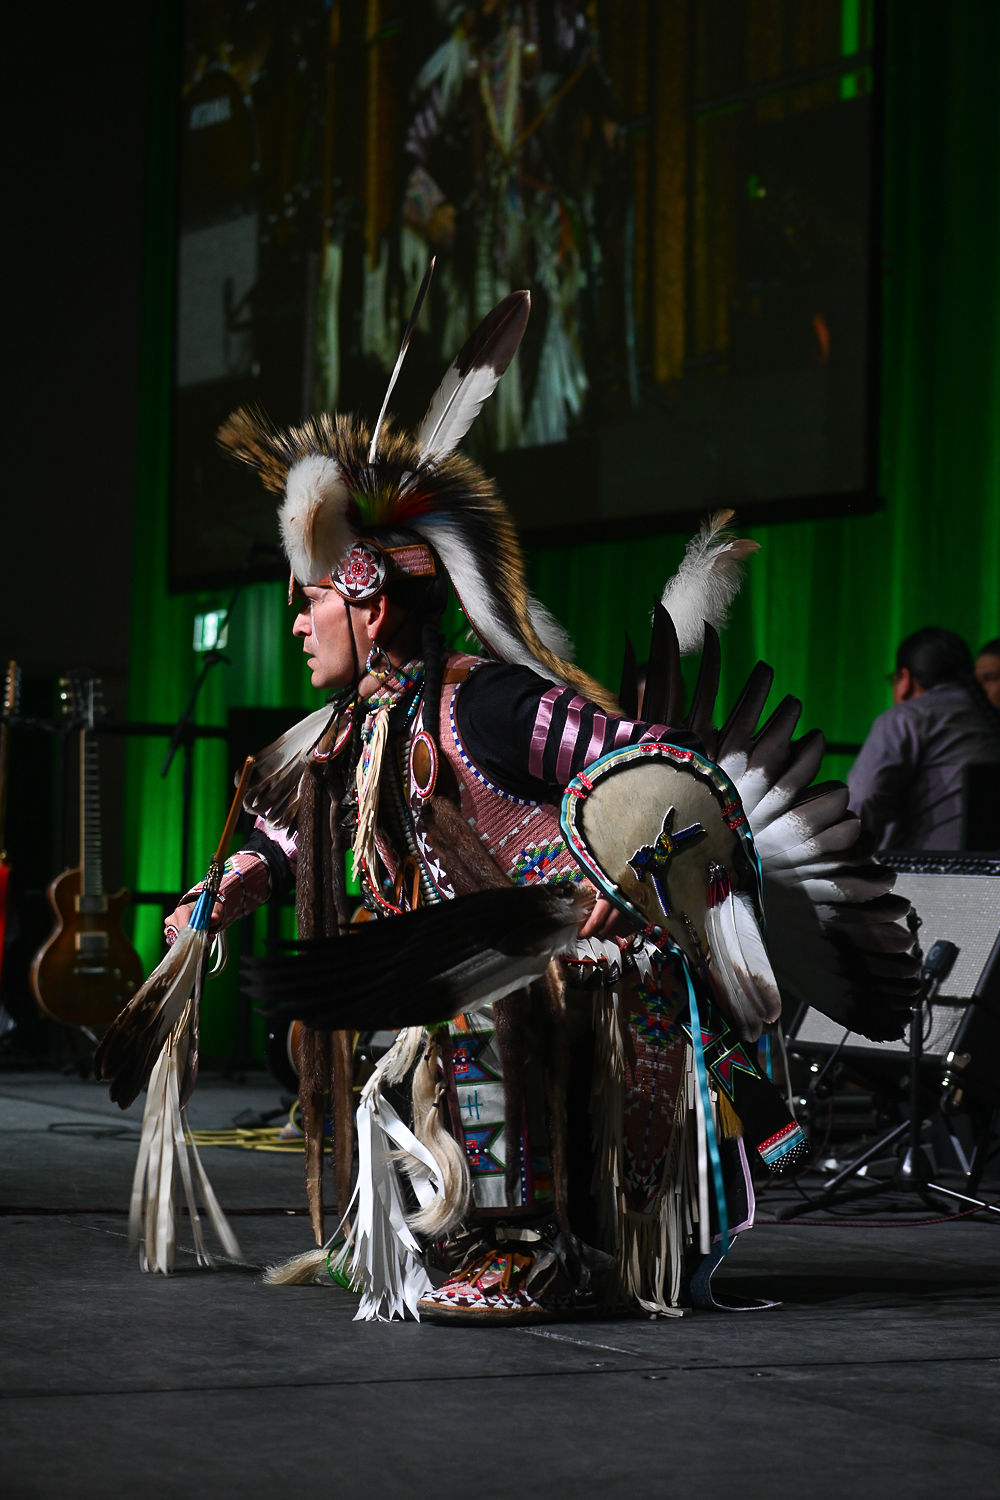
850 41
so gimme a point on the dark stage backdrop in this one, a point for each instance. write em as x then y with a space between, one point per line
687 190
825 601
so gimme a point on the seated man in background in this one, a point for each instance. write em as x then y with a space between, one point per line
907 782
988 670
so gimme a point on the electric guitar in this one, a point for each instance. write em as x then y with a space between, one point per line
88 969
10 705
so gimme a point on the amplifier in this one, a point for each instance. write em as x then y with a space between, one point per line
957 897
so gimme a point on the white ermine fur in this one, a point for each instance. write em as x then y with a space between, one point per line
312 518
549 631
475 594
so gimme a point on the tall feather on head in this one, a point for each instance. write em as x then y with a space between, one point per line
341 481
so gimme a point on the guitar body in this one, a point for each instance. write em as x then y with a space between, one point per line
88 970
281 1048
4 878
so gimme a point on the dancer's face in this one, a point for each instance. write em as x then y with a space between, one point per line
326 624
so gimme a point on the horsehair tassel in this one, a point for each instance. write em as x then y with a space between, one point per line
135 1038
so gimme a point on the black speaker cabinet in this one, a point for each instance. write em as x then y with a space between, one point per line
957 897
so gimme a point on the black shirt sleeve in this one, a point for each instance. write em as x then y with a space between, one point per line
530 736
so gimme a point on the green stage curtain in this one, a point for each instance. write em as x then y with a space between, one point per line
826 601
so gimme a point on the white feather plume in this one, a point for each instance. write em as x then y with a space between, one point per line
475 594
313 517
707 581
740 962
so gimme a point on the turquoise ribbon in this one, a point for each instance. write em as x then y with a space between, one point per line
701 1074
202 914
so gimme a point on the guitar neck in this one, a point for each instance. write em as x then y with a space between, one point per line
91 863
10 707
4 751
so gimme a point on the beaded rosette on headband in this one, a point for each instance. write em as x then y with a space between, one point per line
346 489
367 568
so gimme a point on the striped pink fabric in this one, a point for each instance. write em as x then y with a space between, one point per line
597 737
571 729
540 733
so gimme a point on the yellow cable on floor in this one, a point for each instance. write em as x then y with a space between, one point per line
284 1138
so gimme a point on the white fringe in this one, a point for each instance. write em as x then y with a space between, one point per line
166 1149
367 780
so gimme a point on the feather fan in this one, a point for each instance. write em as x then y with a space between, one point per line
138 1034
273 788
837 938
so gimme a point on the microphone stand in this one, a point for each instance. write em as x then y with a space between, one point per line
183 729
913 1172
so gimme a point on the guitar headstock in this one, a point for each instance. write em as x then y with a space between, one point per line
12 690
81 699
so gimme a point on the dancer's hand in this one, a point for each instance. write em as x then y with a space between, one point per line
607 921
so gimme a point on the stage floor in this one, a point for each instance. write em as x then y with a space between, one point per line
878 1376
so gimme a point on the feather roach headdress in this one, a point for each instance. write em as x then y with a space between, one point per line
345 485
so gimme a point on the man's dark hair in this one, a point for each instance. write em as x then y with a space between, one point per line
991 648
933 655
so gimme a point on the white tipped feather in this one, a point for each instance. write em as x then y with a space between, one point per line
707 581
313 517
454 407
765 809
740 962
793 842
472 377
